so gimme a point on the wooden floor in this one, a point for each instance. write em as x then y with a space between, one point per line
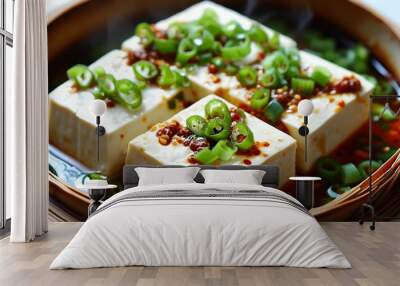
375 257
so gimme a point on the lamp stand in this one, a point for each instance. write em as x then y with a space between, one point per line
303 131
100 131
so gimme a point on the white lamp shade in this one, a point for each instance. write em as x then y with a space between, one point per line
305 107
99 107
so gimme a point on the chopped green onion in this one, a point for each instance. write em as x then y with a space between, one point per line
231 69
98 94
224 150
363 167
303 86
203 40
218 62
107 85
329 169
205 58
167 76
209 20
165 46
205 156
260 98
217 129
242 136
144 70
232 29
277 60
81 75
129 94
274 41
379 110
293 71
181 79
350 174
257 34
144 32
236 50
321 75
293 56
196 124
270 78
273 111
247 76
186 51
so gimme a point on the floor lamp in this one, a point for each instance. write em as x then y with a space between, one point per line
368 205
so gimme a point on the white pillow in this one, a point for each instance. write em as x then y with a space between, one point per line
166 176
247 177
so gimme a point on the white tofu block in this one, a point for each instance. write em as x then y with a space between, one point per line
329 124
72 125
280 149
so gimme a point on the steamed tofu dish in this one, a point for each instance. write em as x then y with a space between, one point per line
256 77
213 131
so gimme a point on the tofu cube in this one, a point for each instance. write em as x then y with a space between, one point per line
277 148
335 117
72 125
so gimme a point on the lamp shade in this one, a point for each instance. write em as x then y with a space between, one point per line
305 107
98 107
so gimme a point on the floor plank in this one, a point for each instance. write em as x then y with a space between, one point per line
375 257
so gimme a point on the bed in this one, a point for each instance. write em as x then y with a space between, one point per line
201 224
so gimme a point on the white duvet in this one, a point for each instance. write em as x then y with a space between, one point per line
188 231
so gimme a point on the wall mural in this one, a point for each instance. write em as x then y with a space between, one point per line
216 88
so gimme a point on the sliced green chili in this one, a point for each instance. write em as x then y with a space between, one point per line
277 60
205 156
236 50
97 93
224 150
242 136
329 169
303 86
129 93
186 51
274 41
144 32
232 29
107 84
363 167
81 75
231 69
203 40
257 34
167 76
217 129
321 75
379 110
165 46
98 71
273 111
247 76
196 124
217 108
260 98
218 62
270 78
144 70
350 174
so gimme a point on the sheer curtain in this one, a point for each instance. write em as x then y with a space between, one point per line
26 123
